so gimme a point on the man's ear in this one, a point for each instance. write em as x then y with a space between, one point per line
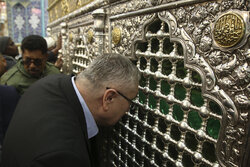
108 98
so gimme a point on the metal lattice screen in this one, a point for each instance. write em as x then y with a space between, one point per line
173 125
81 59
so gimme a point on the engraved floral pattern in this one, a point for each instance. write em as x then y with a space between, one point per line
231 69
131 29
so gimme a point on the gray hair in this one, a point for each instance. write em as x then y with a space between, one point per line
111 70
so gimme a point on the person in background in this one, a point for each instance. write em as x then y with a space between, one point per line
53 51
53 48
9 51
8 101
32 67
57 118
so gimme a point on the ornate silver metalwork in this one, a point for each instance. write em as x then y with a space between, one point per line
85 9
192 57
202 34
66 59
194 61
224 72
155 2
229 68
132 29
99 16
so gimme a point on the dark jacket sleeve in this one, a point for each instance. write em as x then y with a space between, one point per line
8 101
60 158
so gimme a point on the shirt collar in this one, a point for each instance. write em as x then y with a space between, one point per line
91 124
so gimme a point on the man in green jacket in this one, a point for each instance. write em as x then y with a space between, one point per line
32 67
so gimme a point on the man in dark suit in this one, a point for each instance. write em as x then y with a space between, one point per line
58 115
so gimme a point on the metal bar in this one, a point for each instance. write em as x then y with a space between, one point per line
81 24
154 9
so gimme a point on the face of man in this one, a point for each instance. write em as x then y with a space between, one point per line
118 105
12 49
34 62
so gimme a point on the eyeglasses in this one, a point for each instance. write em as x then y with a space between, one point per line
36 62
132 104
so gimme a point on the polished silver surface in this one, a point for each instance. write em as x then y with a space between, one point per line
149 136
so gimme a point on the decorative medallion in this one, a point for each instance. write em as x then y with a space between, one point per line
90 35
116 35
229 30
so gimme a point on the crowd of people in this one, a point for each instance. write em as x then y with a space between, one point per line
32 66
52 119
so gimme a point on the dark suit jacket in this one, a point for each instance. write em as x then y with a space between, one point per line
8 101
48 128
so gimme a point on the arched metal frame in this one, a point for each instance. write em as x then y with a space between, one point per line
191 24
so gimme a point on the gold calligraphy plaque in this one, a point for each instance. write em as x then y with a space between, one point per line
229 30
116 35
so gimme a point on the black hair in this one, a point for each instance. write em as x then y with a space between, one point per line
34 42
